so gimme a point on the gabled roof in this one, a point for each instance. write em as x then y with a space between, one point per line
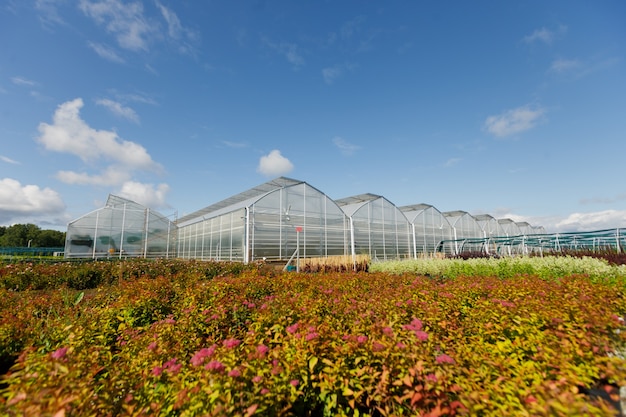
240 200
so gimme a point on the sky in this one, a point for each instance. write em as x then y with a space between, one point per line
513 109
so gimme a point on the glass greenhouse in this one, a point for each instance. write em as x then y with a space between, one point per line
377 227
491 229
121 228
276 220
286 219
464 228
430 230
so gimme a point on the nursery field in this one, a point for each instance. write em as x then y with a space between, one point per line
530 337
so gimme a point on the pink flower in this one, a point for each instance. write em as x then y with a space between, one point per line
234 373
157 371
172 366
311 336
400 345
443 358
152 346
416 325
262 350
421 335
231 343
294 382
216 366
59 353
432 378
361 339
388 331
265 391
199 356
256 379
292 329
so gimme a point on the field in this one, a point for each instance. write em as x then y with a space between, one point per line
524 337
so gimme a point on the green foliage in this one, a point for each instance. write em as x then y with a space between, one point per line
162 339
91 274
23 235
548 267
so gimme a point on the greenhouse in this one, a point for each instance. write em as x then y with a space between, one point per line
464 226
284 220
281 219
491 228
429 230
377 227
121 228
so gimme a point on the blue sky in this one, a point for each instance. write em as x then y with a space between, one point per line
514 109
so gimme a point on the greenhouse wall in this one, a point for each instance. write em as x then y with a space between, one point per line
294 219
377 227
122 228
286 218
465 229
430 230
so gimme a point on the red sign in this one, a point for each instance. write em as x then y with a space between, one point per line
298 229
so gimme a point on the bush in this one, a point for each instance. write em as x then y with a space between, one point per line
174 343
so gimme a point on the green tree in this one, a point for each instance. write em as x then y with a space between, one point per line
19 235
49 239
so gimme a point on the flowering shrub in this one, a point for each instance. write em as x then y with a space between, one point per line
249 343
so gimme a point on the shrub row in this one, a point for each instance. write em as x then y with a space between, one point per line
548 267
91 274
314 344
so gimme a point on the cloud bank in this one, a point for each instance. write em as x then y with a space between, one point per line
19 201
70 134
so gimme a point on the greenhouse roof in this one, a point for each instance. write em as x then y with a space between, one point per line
114 201
487 217
240 200
456 213
350 205
416 207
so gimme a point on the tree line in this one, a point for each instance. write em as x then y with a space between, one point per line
30 235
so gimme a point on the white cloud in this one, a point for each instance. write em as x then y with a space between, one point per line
288 50
174 27
514 121
8 160
563 65
105 52
19 201
184 37
344 146
119 110
126 21
145 194
331 74
274 164
545 35
70 134
48 12
451 162
23 81
112 175
599 220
